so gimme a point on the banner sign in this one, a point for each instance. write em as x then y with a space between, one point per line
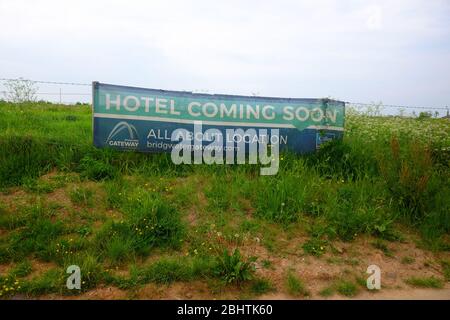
129 118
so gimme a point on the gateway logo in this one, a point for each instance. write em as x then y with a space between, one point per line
123 135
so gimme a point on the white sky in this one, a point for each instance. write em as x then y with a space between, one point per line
395 51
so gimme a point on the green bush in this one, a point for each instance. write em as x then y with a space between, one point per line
233 268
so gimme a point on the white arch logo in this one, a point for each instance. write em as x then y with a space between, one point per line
132 132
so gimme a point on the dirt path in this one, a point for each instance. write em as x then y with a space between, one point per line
386 294
412 294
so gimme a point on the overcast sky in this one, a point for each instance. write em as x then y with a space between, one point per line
394 51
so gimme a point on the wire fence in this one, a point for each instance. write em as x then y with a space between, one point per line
51 91
77 92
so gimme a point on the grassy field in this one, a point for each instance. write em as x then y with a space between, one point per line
141 227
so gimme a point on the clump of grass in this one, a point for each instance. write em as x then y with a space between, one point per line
222 197
362 282
413 181
446 269
267 264
90 267
326 292
233 268
346 288
115 192
166 270
315 246
97 169
22 269
52 281
9 286
425 282
336 157
38 231
149 223
7 220
408 260
84 230
119 250
249 226
352 261
279 199
82 196
261 286
354 208
295 286
38 186
23 158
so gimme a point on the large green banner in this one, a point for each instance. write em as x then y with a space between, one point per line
140 111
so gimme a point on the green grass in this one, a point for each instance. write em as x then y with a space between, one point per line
408 260
387 172
446 269
96 166
267 264
35 236
234 268
326 292
430 282
261 286
52 281
315 246
150 223
9 285
82 196
22 269
166 270
119 250
341 183
346 288
39 187
295 286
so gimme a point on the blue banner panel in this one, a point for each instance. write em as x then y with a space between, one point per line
128 118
